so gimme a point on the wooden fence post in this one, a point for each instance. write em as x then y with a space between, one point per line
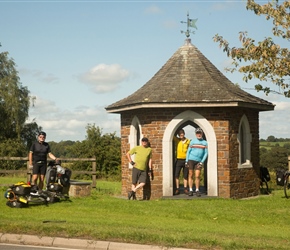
94 173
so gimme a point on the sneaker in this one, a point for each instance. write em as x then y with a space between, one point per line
190 193
198 194
177 192
130 194
186 191
134 196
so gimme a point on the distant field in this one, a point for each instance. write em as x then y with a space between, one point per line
269 145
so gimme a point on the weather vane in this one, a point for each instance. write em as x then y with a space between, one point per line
190 23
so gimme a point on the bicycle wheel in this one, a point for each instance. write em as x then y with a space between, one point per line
287 185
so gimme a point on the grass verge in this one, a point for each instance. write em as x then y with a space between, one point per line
257 223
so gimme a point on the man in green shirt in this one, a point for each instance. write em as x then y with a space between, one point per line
142 160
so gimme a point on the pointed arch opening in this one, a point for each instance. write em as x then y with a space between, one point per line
189 128
244 140
135 135
189 117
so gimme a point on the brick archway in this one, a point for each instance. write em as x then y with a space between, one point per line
212 184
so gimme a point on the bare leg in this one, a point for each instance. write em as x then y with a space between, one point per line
190 180
140 185
41 182
34 179
177 183
133 187
197 178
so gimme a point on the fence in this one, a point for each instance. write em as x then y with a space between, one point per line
28 171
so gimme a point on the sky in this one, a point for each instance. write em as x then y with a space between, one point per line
78 57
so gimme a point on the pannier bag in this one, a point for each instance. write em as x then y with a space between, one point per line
65 178
21 188
15 200
265 175
280 177
16 204
50 175
54 187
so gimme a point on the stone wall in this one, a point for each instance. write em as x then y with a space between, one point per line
233 182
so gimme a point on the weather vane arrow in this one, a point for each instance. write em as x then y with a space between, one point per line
190 23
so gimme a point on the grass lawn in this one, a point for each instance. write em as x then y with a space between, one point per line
257 223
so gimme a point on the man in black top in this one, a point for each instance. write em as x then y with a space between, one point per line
38 159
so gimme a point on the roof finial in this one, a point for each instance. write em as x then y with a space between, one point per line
190 23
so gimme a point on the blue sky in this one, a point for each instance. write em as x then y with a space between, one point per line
77 57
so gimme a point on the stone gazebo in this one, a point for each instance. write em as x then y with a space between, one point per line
190 90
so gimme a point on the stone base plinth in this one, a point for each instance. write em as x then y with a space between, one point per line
79 188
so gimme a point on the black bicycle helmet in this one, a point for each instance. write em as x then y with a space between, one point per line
42 133
198 130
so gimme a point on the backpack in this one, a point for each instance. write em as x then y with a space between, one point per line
280 177
265 175
21 188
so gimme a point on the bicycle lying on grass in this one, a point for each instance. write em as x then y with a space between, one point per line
283 179
264 178
287 184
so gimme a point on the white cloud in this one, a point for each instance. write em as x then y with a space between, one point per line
153 9
71 124
276 122
39 75
105 78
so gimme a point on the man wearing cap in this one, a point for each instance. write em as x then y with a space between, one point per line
142 160
38 159
196 155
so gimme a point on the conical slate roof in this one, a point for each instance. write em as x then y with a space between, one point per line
189 79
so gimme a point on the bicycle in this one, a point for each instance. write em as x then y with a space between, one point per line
264 178
287 184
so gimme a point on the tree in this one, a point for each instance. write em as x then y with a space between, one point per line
271 138
275 158
106 149
14 99
264 60
14 107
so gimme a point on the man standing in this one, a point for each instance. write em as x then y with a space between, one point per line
181 143
142 160
195 158
38 159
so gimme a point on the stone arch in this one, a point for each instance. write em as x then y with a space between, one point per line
167 151
135 135
245 141
135 132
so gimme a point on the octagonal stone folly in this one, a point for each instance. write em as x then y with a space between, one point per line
189 91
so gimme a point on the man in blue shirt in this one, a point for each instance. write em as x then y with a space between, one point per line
196 155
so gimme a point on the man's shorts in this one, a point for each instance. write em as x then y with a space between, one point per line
39 168
193 165
138 176
180 164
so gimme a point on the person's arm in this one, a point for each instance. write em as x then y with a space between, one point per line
51 156
204 155
30 158
150 164
129 158
188 152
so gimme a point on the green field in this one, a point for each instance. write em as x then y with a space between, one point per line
256 223
269 145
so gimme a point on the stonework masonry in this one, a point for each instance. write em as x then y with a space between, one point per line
233 182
